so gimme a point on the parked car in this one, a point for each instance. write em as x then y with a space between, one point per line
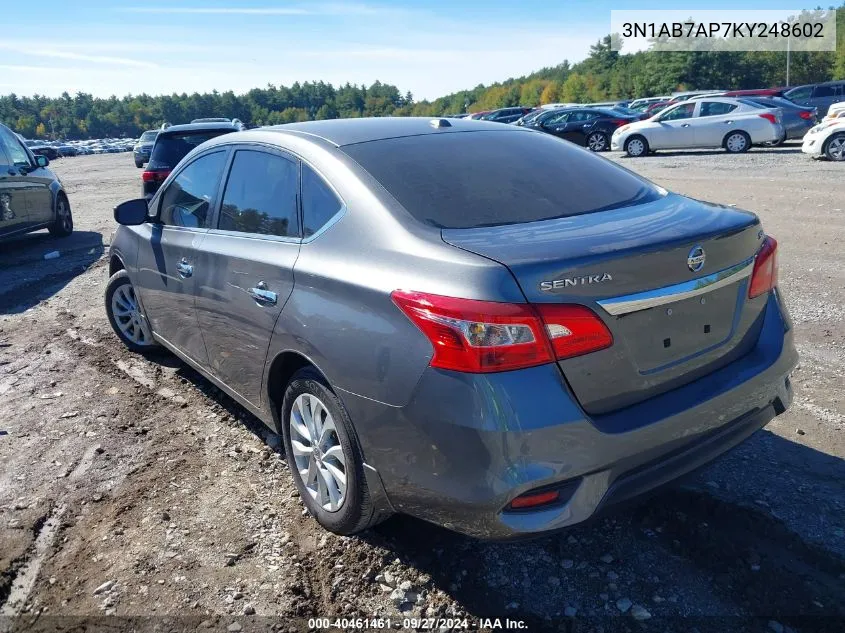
515 338
836 111
143 148
534 114
590 127
796 119
506 115
476 116
756 92
555 106
656 108
826 139
66 150
42 148
172 144
642 103
733 124
820 96
31 195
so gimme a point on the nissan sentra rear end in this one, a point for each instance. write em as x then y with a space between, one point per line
637 335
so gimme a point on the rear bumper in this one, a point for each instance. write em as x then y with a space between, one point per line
467 444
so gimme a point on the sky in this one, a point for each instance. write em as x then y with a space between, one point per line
428 47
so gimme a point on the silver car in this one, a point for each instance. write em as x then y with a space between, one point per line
733 124
475 324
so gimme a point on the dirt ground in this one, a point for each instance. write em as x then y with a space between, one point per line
131 487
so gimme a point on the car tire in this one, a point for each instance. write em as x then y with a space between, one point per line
776 143
125 316
350 508
636 146
597 142
62 224
834 147
736 142
138 165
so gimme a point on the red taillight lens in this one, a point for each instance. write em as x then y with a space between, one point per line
486 336
769 117
534 499
765 275
573 330
620 122
154 176
805 114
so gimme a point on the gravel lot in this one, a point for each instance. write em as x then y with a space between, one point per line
130 486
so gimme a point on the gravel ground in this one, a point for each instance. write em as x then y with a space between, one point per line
131 487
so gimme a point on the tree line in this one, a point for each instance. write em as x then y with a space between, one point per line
604 75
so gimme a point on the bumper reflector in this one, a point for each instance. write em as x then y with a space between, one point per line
534 499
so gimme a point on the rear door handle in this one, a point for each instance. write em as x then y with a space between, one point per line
684 124
263 296
184 268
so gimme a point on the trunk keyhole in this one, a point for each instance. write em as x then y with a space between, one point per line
667 342
707 329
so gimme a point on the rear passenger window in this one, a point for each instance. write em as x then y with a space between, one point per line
824 91
187 199
260 195
715 108
319 202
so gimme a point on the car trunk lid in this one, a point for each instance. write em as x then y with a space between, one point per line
669 278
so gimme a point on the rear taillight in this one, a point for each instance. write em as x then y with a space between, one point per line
769 117
154 176
805 114
765 275
485 336
620 122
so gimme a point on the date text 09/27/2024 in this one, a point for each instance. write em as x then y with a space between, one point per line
417 624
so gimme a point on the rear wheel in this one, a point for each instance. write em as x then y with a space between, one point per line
636 146
597 142
139 165
324 457
737 142
835 147
62 224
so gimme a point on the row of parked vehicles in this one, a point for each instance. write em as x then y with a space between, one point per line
733 120
61 149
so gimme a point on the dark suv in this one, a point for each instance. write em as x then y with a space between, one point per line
820 96
173 143
143 147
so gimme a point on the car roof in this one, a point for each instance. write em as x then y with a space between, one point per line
340 132
199 127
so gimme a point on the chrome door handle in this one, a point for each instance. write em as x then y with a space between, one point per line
263 296
684 124
184 268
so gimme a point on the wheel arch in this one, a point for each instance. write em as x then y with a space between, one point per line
278 375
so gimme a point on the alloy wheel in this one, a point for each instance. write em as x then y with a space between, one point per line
320 462
836 148
597 142
63 213
128 317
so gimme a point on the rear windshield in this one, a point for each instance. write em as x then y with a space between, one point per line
169 149
472 179
149 136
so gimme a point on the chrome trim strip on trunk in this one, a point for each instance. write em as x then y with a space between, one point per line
669 294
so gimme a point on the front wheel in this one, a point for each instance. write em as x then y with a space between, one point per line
324 457
737 142
835 148
62 224
125 316
597 142
636 146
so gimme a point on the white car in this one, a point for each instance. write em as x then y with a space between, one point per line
836 111
734 124
826 139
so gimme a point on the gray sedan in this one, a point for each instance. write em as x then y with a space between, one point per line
475 324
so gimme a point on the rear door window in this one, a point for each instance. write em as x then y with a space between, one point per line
261 195
169 149
715 108
489 178
824 91
188 198
319 202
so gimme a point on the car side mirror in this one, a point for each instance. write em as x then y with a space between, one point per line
41 161
132 212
